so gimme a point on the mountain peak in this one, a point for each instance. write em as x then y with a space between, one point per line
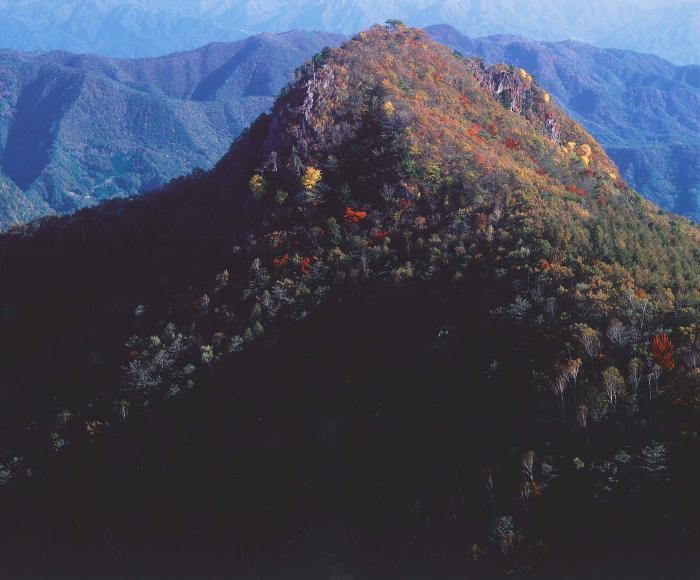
399 260
439 108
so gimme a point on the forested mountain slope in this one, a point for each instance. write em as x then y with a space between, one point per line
404 328
78 129
644 110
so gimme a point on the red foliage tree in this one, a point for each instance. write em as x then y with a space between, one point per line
662 349
577 190
379 235
281 261
305 266
511 144
354 216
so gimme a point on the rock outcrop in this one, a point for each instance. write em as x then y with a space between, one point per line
517 91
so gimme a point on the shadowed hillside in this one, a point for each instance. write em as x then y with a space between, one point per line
412 325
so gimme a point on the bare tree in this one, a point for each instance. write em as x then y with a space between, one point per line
654 460
524 495
582 422
537 293
692 359
634 374
617 333
364 263
636 308
527 465
654 376
550 306
558 387
207 356
642 309
490 486
571 371
589 339
613 384
122 408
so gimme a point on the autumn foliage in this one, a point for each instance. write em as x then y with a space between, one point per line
576 190
257 186
474 133
311 178
353 216
491 266
379 235
281 261
305 266
662 349
511 144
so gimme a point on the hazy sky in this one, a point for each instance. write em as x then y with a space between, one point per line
151 27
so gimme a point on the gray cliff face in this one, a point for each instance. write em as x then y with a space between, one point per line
516 91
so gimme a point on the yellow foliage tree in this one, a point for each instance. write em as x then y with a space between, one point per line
389 108
257 185
311 178
584 152
525 75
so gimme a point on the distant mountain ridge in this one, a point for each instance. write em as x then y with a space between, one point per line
643 109
137 28
77 129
